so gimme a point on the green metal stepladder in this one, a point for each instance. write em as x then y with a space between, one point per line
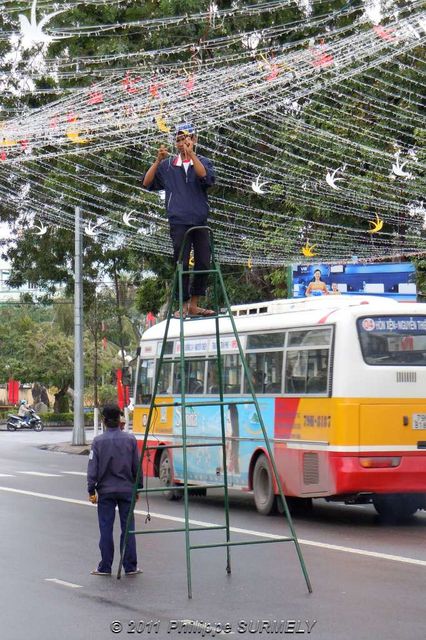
184 404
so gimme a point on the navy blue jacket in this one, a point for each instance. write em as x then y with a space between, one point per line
186 194
113 463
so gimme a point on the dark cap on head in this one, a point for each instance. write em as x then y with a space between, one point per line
111 413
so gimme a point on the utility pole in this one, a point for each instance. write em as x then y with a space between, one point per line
78 434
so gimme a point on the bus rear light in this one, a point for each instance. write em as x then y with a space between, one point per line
380 462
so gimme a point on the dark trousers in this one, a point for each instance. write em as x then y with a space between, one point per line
106 516
200 241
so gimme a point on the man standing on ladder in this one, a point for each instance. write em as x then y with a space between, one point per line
185 179
111 473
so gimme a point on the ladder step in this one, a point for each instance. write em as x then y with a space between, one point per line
207 403
181 529
189 271
180 446
212 317
181 487
236 544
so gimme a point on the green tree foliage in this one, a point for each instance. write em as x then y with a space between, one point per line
327 122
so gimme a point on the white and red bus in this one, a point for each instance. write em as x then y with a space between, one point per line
341 384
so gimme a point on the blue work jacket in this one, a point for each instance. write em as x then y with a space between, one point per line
113 463
186 194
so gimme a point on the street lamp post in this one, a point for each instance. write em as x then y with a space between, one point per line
78 434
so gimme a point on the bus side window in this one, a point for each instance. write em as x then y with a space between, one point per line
265 372
165 380
145 383
296 372
307 371
231 373
194 377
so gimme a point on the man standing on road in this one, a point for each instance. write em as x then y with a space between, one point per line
111 475
185 179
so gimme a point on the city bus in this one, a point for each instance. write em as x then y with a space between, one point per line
341 386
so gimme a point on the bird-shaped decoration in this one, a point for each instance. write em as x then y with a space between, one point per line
257 185
273 72
308 250
95 97
331 178
321 56
131 85
7 142
416 209
398 168
161 123
251 41
74 135
188 85
376 225
383 33
92 230
32 32
128 219
42 229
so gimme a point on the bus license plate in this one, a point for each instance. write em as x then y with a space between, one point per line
419 420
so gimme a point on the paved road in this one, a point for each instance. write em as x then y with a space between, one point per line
368 578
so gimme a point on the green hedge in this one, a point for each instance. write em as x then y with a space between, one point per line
66 417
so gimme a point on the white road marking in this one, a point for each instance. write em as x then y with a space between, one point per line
6 475
250 532
75 473
64 584
43 475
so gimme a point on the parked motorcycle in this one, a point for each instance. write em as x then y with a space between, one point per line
19 422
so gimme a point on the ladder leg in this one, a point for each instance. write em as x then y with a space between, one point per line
222 418
262 425
184 448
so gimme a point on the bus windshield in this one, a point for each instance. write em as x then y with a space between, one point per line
393 340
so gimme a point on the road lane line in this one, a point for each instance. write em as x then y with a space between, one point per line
42 475
75 473
6 475
64 584
250 532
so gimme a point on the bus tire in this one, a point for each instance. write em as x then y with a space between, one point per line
263 487
165 475
395 507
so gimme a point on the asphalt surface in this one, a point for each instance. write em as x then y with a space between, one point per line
368 578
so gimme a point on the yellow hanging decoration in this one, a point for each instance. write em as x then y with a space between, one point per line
307 250
74 136
161 123
191 258
250 264
376 225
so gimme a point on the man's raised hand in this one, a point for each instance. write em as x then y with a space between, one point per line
162 153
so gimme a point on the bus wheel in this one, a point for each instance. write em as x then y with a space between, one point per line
263 487
395 507
165 475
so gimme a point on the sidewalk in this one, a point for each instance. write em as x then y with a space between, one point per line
66 447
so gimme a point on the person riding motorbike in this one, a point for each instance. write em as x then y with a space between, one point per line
24 411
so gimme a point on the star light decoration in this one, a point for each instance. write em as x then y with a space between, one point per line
32 33
116 115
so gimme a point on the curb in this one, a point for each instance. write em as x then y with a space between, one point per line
66 447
